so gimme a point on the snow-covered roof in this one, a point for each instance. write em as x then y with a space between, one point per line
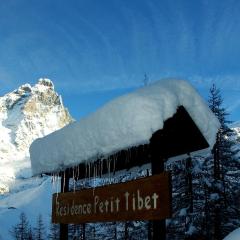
127 121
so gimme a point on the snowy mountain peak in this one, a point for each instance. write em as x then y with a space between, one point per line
46 82
27 113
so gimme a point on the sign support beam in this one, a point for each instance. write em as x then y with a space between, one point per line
157 165
64 188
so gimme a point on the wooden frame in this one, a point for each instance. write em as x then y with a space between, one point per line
179 135
147 198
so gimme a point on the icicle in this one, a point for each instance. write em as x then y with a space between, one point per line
93 180
101 166
94 169
89 171
54 183
78 172
86 170
64 181
57 179
85 177
57 187
51 177
95 173
74 182
109 169
98 169
114 164
130 154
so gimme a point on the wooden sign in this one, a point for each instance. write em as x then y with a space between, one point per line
142 199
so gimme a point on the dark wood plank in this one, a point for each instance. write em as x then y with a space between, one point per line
157 162
141 199
64 188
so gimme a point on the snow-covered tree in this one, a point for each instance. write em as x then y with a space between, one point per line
180 225
30 234
21 230
220 166
54 232
39 230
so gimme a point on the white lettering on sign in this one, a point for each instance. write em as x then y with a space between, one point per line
139 202
73 209
102 206
132 202
142 199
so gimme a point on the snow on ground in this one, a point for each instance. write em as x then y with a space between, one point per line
127 121
235 235
33 197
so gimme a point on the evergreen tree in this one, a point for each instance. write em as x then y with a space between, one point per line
220 165
39 230
90 231
21 230
30 234
54 232
179 224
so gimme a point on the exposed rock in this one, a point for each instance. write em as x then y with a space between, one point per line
27 113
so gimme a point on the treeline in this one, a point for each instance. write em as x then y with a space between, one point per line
206 188
24 231
205 195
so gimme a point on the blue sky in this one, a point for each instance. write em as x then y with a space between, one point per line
94 50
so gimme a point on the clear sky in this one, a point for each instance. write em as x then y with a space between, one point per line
94 50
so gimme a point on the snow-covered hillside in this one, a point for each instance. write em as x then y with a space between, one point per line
27 113
236 129
29 196
235 235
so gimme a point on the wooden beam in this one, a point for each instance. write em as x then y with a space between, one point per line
64 188
157 162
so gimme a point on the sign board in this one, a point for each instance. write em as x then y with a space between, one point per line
147 198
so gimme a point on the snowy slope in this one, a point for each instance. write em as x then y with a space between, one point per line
235 235
27 113
127 121
33 197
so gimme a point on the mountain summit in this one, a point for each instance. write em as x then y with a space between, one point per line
27 113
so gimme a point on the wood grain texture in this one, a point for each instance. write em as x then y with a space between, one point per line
142 199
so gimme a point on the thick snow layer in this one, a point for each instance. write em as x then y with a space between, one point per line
235 235
127 121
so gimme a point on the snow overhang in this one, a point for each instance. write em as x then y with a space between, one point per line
170 111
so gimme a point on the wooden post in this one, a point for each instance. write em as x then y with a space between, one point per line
157 162
64 188
83 231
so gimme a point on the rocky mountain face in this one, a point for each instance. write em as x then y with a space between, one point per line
27 113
